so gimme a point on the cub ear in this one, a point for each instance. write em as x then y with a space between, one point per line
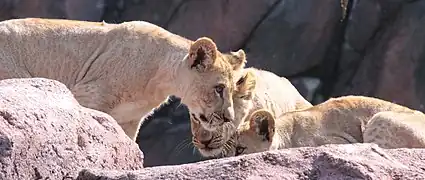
246 85
238 59
263 123
202 54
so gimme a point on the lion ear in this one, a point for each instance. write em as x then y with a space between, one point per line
263 123
202 54
246 85
238 59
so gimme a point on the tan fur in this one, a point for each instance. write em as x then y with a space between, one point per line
125 70
348 119
255 89
396 130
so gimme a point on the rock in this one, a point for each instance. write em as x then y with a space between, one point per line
90 10
307 86
165 137
294 37
153 11
390 51
46 134
6 7
348 161
229 23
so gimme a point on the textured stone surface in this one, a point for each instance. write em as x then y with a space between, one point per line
90 10
392 65
158 12
294 37
349 161
229 23
46 134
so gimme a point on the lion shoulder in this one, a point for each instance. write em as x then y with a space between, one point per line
278 93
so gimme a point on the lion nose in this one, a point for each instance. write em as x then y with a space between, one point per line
203 118
205 137
228 114
206 142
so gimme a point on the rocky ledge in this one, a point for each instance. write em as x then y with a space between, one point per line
46 134
349 161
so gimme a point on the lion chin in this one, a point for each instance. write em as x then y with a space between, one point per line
210 152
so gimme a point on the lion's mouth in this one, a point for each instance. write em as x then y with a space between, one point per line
210 152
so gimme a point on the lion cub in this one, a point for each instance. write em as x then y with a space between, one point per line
255 89
349 119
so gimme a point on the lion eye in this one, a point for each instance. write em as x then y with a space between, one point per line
239 150
243 97
219 88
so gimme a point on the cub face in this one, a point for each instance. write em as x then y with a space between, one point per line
255 134
211 73
213 143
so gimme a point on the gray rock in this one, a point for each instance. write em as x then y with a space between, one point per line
228 23
294 37
90 10
158 12
390 53
307 86
46 134
348 161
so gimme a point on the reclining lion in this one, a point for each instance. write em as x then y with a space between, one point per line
255 89
343 120
126 69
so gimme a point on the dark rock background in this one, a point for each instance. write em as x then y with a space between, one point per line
327 48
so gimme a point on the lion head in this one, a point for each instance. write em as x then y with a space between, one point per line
255 134
211 75
213 143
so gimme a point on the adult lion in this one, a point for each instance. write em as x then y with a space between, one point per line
124 69
255 89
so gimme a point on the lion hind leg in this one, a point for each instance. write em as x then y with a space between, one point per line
93 96
396 130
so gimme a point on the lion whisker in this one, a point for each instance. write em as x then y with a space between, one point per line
181 146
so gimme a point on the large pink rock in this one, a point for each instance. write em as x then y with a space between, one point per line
46 134
349 161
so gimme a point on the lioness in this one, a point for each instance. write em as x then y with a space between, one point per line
348 119
126 69
255 89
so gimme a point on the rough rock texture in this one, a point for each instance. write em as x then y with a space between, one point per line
294 37
387 58
350 161
90 10
46 134
365 47
229 23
